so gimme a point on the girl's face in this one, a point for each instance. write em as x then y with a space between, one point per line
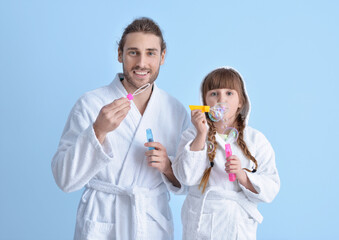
225 95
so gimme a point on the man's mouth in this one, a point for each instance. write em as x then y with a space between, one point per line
140 73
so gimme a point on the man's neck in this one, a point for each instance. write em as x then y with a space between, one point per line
142 99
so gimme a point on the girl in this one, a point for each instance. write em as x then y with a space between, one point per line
216 208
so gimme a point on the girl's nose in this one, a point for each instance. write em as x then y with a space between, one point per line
222 98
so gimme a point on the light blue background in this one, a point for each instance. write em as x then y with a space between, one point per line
51 52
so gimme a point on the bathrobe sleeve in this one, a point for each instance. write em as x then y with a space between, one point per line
185 124
266 180
80 156
169 184
189 166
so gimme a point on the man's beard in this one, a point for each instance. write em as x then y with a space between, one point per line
129 79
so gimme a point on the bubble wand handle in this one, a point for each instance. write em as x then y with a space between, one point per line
198 107
149 137
228 152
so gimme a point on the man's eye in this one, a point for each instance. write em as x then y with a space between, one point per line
151 53
133 53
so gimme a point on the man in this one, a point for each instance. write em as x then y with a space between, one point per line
103 147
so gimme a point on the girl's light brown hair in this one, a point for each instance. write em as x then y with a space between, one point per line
231 79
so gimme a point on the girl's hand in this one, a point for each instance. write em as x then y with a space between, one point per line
198 119
233 165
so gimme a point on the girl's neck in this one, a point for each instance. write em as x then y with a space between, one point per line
220 126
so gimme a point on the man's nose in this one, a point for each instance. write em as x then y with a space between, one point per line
142 61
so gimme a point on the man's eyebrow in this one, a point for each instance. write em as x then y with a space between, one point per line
132 48
148 49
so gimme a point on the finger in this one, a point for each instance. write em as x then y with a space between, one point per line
121 107
150 152
198 121
234 170
197 114
153 159
111 112
158 146
233 167
154 164
231 158
234 162
112 109
121 102
195 111
231 170
202 119
124 111
119 116
156 158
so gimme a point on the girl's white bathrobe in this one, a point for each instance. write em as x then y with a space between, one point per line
124 198
226 210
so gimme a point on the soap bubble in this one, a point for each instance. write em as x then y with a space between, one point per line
218 111
210 146
230 135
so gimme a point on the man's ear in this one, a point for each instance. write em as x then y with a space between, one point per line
162 60
120 55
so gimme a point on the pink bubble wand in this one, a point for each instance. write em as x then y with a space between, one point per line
231 135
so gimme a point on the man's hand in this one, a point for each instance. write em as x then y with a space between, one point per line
110 117
158 159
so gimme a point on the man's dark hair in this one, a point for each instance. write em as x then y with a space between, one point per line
145 25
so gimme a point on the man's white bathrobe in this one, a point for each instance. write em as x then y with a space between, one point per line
226 210
124 198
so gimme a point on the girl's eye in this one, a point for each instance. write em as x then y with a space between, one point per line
213 94
229 93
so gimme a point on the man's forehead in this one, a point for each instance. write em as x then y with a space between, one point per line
141 40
